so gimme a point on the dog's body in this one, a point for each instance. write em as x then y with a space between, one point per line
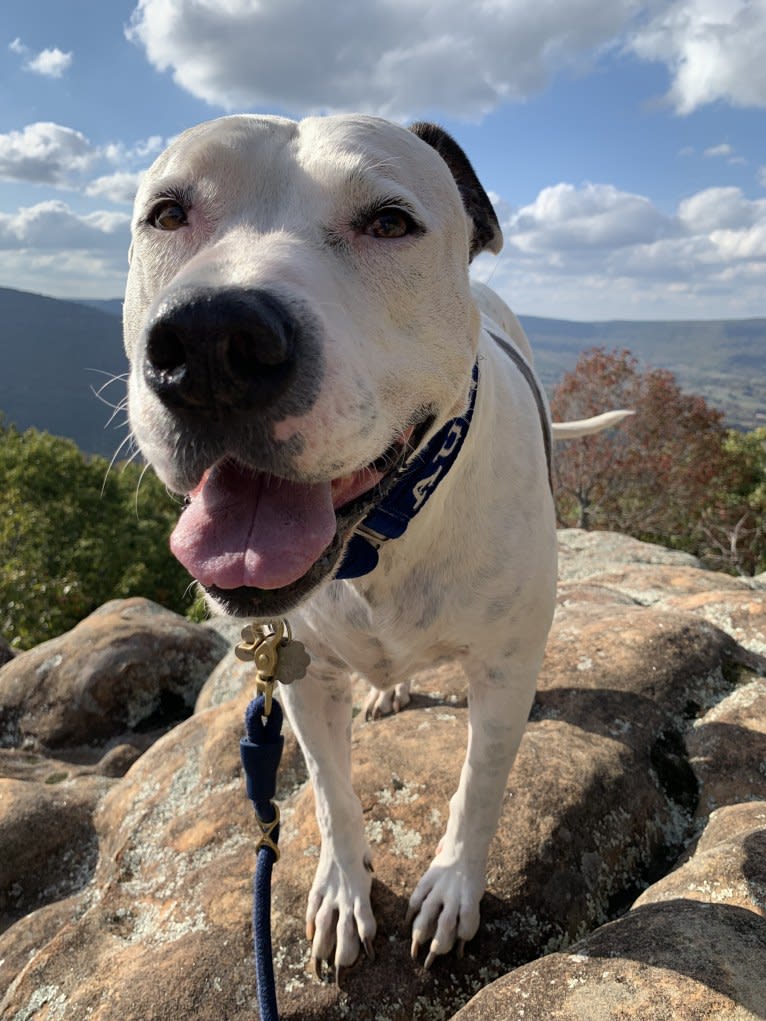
299 318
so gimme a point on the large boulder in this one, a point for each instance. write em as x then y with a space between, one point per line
130 668
629 852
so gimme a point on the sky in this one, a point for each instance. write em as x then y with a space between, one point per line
622 142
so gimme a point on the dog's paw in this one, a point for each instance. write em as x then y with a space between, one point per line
444 907
339 919
384 703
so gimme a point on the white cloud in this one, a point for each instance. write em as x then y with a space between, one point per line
463 57
717 208
594 252
719 150
595 216
118 187
70 274
54 226
714 50
45 153
395 57
120 154
749 244
51 62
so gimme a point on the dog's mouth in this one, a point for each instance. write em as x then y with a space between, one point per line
259 543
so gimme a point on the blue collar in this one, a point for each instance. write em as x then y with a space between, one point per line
416 482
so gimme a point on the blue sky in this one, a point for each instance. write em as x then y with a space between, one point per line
624 143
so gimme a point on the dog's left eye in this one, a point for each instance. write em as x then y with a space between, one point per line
168 215
390 223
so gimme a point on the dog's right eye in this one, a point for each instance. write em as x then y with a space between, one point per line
168 215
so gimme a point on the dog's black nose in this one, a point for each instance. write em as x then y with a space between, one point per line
213 352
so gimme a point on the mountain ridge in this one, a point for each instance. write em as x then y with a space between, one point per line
56 352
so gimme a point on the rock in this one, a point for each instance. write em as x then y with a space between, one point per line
585 554
727 748
648 717
678 961
48 841
130 667
231 678
726 866
740 613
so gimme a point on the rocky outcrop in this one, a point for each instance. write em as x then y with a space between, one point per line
627 878
130 668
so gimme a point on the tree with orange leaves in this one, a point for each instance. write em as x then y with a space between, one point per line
669 474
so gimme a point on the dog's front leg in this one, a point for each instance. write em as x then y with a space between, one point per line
339 915
445 903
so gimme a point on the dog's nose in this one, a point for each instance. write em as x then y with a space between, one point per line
213 352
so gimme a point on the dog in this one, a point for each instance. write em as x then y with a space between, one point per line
313 370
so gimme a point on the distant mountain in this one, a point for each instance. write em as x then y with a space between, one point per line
724 360
112 306
55 353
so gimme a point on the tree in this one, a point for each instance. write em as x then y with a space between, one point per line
72 537
672 473
736 534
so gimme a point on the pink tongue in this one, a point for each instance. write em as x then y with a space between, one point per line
247 528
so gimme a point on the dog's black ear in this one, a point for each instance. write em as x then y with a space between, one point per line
486 229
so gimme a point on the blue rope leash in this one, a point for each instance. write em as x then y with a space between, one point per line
261 752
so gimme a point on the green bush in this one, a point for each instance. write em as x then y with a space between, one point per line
74 534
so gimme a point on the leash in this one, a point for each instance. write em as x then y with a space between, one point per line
276 657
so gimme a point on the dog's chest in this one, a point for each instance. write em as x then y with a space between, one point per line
385 640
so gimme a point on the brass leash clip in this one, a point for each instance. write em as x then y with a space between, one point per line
275 654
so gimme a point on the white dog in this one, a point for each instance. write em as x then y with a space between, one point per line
310 366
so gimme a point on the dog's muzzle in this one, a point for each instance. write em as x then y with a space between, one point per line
211 354
227 365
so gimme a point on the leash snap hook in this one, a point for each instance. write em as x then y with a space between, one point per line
260 645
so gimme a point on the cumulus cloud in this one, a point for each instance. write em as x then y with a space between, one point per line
51 62
385 56
117 187
74 254
594 252
52 154
54 226
718 208
464 57
595 216
713 48
119 154
45 153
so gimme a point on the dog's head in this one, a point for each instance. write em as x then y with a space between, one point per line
297 317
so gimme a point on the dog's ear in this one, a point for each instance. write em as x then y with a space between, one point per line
486 229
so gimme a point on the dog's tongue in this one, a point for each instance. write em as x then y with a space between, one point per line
248 528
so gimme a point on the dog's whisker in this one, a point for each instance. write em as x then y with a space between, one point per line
138 485
123 406
127 440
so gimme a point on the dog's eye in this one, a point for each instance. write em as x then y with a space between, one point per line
168 215
390 223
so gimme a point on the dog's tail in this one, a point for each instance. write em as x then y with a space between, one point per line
588 426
